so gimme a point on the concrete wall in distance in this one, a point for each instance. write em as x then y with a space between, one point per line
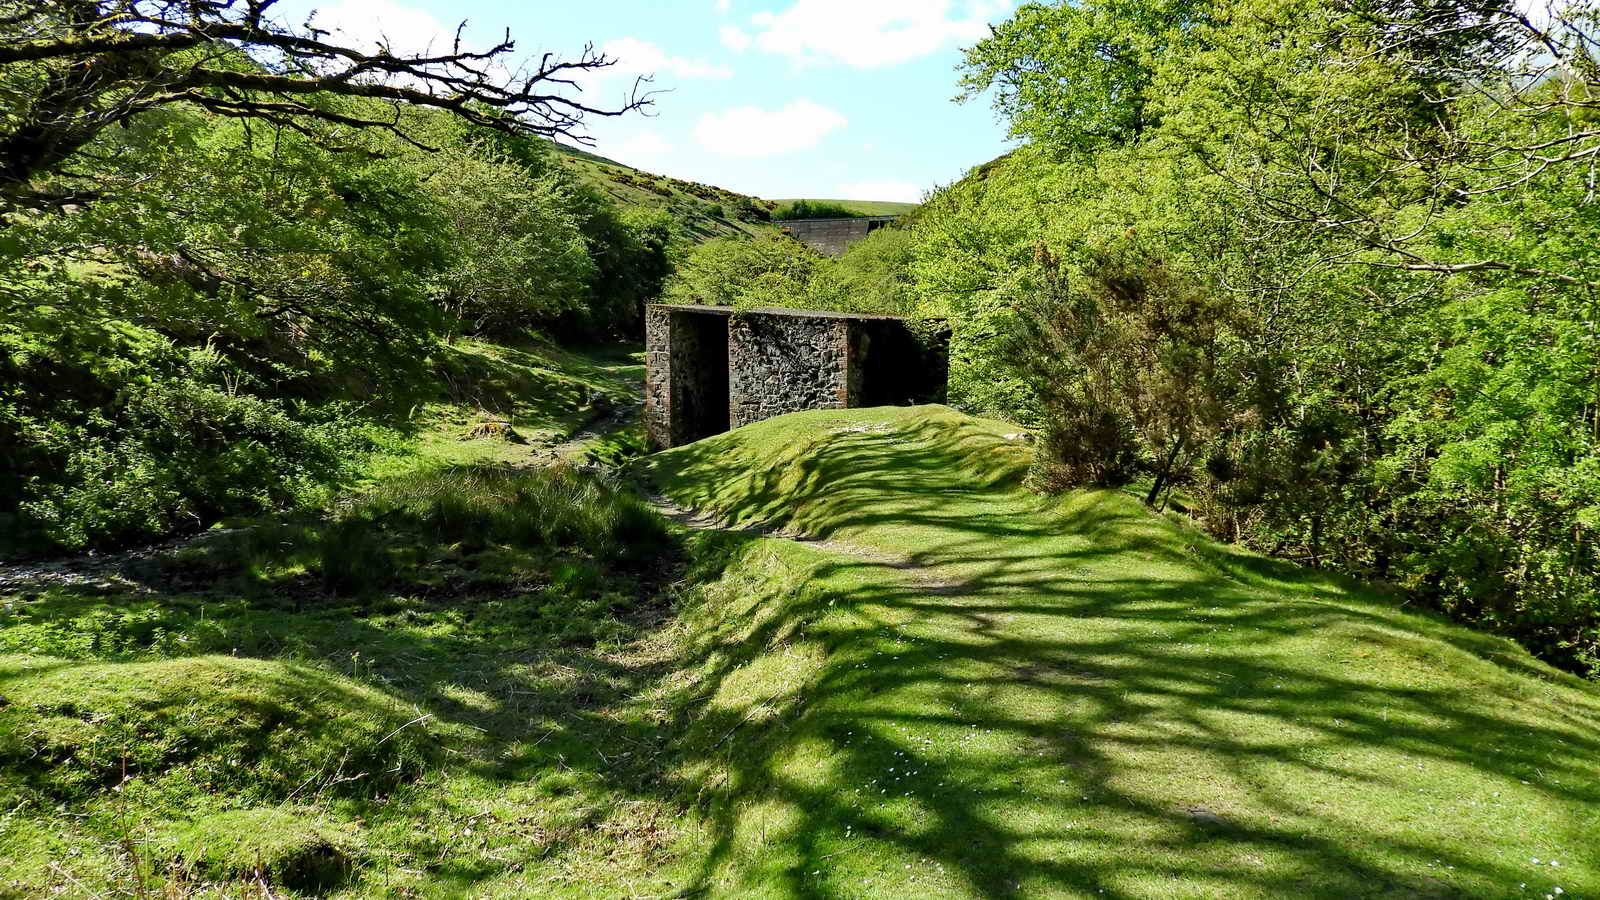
831 237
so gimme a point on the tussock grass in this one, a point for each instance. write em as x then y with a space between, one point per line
408 523
480 505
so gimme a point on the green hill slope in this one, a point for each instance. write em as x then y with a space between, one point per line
862 207
703 211
969 691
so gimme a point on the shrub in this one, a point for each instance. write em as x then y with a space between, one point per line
814 209
113 434
769 269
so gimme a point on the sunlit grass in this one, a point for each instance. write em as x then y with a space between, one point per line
964 691
1002 695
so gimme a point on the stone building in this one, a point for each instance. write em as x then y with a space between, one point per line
711 368
831 237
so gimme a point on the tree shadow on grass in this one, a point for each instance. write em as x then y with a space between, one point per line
1090 701
1148 715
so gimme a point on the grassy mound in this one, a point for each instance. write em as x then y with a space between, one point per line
974 691
419 695
260 730
290 846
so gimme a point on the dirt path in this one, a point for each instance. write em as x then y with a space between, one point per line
127 569
572 448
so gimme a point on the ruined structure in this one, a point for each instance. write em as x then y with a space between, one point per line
711 368
831 237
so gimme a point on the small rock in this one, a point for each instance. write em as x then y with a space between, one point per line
1207 819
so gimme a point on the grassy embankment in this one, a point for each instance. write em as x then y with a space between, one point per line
1003 696
967 691
543 392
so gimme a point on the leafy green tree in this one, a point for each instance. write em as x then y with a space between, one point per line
767 270
517 258
1075 75
1384 218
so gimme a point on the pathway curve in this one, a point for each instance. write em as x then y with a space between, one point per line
921 574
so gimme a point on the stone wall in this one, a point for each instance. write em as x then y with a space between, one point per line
831 237
710 368
686 376
784 364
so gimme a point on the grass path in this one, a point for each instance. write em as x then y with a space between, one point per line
1002 696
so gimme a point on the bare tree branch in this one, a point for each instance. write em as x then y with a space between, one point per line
80 66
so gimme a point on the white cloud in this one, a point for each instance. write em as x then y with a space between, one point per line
635 57
873 34
369 24
722 5
644 148
895 191
750 131
735 38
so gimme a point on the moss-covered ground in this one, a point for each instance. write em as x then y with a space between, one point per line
951 687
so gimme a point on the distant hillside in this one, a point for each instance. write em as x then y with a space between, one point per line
703 211
861 207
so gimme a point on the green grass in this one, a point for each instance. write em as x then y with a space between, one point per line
545 392
964 691
996 695
345 734
863 207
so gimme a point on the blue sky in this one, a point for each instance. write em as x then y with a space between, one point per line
777 98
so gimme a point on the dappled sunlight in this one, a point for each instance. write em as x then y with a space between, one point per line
1085 698
964 691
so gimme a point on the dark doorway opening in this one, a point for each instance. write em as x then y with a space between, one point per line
898 369
700 374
